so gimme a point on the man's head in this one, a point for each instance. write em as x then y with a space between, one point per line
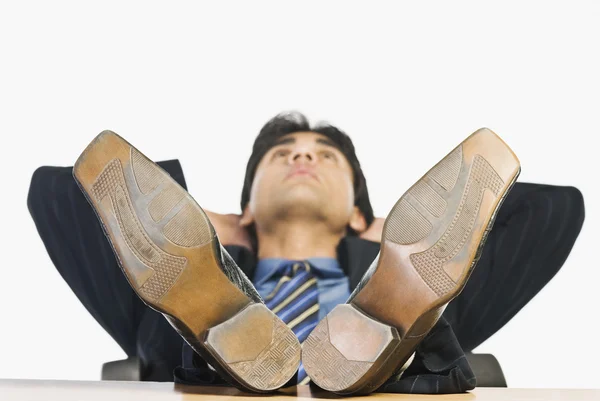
299 171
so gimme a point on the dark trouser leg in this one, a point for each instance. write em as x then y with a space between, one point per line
79 250
439 367
82 255
532 237
158 346
195 371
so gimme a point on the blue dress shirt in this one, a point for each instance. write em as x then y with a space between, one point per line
332 283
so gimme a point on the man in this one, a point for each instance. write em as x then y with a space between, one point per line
305 199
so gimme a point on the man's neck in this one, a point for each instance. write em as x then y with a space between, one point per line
298 240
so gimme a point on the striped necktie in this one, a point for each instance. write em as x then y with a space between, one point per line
295 300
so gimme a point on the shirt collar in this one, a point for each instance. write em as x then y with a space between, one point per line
321 267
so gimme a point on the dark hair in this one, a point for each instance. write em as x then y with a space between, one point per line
289 122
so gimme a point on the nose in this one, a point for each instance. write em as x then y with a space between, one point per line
302 156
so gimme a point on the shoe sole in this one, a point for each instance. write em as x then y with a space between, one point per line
432 239
171 256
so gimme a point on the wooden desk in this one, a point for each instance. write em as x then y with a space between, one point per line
21 390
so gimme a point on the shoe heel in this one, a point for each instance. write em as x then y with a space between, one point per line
335 363
256 347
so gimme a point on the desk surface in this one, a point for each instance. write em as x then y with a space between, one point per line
12 389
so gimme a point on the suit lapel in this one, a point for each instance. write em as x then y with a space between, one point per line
355 256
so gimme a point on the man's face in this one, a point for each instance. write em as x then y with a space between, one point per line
303 175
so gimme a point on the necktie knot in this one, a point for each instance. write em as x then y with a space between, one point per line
299 266
289 272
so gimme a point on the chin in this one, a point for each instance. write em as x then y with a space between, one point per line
303 193
296 200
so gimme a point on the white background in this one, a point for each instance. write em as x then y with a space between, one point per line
196 82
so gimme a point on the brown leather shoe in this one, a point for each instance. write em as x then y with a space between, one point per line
431 241
172 258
